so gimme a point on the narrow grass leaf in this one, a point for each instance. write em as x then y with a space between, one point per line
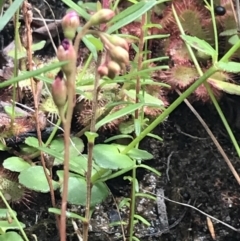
33 73
150 169
117 137
68 214
9 13
142 219
199 44
130 14
157 36
118 114
232 67
229 88
82 12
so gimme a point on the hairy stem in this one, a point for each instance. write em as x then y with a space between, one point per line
91 138
36 90
67 129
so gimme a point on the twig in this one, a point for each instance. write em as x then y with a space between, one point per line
67 128
168 164
90 151
200 211
215 141
49 34
28 18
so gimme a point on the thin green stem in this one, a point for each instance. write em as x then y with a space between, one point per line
133 203
216 105
172 107
225 123
18 47
80 35
14 216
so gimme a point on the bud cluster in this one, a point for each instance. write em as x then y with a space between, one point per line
117 56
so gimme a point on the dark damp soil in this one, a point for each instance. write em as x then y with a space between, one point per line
192 171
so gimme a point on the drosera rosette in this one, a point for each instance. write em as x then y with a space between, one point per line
12 190
180 76
108 94
194 18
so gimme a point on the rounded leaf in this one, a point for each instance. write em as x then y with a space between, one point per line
77 188
108 157
15 164
34 178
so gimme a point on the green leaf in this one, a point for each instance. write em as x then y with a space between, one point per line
77 8
23 53
124 111
10 236
32 141
17 113
144 73
142 219
232 67
38 179
117 137
15 164
5 225
68 214
130 14
14 6
126 127
146 195
229 32
88 5
229 88
4 212
136 153
108 157
78 165
152 25
77 188
91 46
199 44
150 169
148 99
234 39
156 36
155 136
32 74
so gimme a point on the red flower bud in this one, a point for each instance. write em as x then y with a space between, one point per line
102 70
119 55
113 69
70 23
59 91
66 52
104 15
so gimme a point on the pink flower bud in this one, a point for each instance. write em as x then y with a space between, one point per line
104 15
119 55
118 41
70 23
102 70
66 52
113 69
59 90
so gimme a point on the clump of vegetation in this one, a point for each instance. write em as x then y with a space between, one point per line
114 92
